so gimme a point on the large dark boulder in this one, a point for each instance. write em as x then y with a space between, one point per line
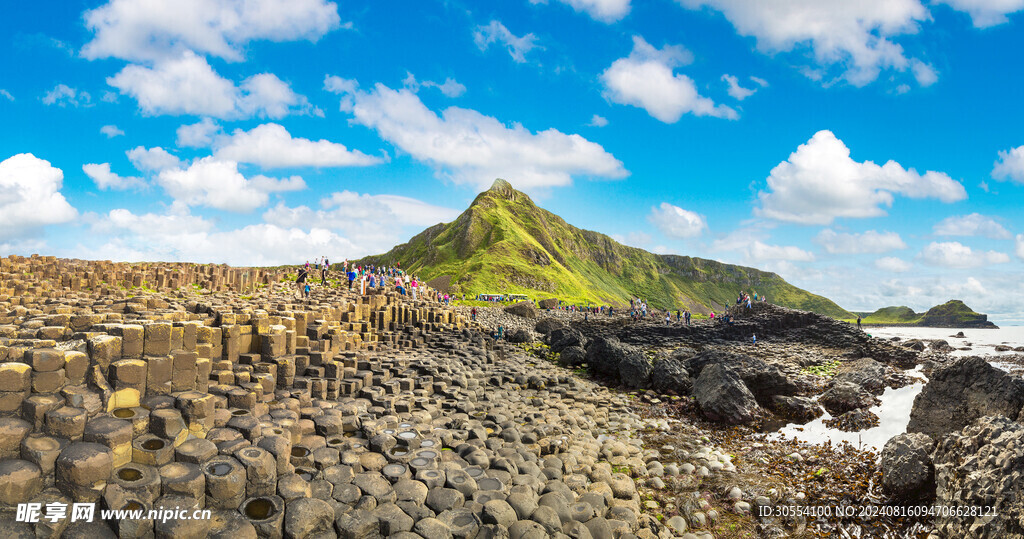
981 467
562 338
549 303
907 472
764 380
572 356
915 344
524 309
669 376
634 369
722 396
519 336
864 372
842 397
695 364
798 409
547 325
604 355
961 392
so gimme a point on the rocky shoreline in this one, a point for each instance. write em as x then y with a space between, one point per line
338 416
711 380
366 416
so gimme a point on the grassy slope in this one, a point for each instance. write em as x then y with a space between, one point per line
893 315
505 244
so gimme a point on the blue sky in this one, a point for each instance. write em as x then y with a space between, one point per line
869 151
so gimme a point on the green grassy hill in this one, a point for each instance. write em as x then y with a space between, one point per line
954 314
504 243
893 315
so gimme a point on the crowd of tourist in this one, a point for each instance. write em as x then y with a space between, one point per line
371 279
367 279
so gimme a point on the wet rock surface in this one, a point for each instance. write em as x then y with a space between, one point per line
722 395
842 397
963 391
981 467
907 471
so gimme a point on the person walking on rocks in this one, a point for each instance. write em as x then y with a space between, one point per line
301 279
473 313
323 273
858 321
351 277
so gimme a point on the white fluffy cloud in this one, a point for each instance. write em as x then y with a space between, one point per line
188 85
104 179
450 87
750 244
736 91
152 159
1019 246
472 148
30 196
1010 165
893 264
111 131
495 32
271 146
63 95
974 224
676 222
607 11
6 95
855 37
645 79
985 13
342 209
761 251
347 225
197 135
180 236
598 121
867 242
153 29
954 254
218 184
820 182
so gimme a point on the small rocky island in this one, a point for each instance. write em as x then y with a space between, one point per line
952 314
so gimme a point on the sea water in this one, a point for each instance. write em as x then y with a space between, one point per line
982 342
894 409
